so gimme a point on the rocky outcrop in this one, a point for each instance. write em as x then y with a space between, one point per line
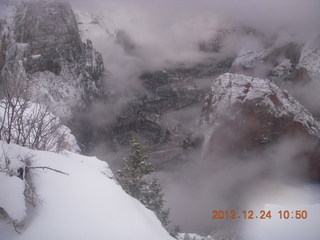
44 48
282 58
310 58
250 56
242 114
51 32
168 91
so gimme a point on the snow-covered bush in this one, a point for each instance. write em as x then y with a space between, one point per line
34 126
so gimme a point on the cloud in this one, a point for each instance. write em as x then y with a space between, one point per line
166 33
220 183
157 34
309 96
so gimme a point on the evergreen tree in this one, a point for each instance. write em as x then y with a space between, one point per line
133 177
154 200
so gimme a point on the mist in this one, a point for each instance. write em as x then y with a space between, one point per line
145 36
228 183
308 95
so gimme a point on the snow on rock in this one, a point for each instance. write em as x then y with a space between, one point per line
84 204
243 112
229 89
94 26
252 54
65 73
192 236
283 72
215 235
310 58
57 93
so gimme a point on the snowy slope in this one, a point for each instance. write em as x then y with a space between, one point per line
85 204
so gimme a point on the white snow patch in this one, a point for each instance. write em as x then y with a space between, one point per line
36 56
192 236
11 196
85 204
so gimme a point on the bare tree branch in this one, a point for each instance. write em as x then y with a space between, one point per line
49 168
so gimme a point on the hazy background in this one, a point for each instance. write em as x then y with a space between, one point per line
154 34
148 35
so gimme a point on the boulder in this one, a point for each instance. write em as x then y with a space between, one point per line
243 115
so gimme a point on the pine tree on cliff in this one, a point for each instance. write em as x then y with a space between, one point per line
133 177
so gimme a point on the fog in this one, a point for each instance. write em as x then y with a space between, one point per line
309 96
154 35
230 183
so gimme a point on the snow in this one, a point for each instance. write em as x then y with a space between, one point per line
94 26
7 11
60 93
252 54
28 127
36 56
282 72
13 199
192 236
85 204
229 88
310 58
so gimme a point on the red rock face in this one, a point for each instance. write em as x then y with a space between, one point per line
301 76
245 115
252 128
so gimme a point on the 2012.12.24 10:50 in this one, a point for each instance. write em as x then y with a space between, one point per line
250 214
